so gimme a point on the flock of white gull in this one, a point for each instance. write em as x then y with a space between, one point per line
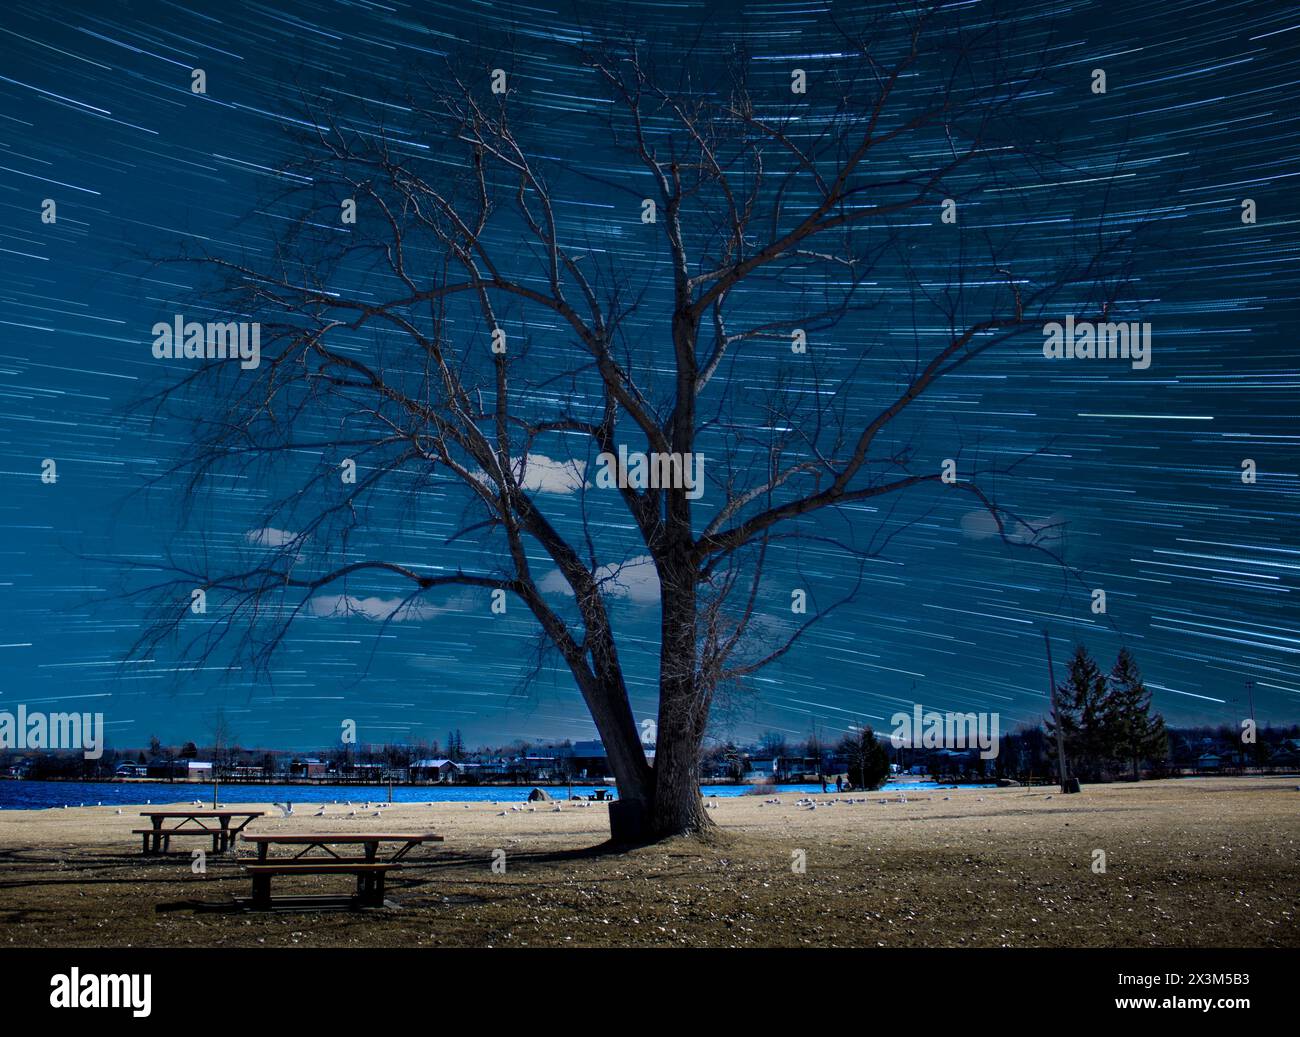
377 809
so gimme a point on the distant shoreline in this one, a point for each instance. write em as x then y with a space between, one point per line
368 783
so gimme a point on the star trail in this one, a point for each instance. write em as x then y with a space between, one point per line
1138 475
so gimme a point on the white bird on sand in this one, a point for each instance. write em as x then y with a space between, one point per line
352 813
557 808
502 814
320 812
286 809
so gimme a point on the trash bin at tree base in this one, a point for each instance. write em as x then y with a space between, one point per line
1071 785
626 820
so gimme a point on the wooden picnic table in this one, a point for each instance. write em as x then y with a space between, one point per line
369 841
368 868
157 839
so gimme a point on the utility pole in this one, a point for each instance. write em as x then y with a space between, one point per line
1254 730
1056 713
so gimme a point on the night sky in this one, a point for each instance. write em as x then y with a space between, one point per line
1141 469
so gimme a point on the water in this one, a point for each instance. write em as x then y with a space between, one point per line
40 795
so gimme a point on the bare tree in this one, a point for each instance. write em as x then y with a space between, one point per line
792 306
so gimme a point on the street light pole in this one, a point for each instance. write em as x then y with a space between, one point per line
1056 713
1254 729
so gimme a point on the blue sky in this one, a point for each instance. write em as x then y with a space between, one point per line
1142 468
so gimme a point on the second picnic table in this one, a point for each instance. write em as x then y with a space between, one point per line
369 841
368 868
157 839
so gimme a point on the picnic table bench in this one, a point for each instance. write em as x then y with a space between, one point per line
369 870
157 839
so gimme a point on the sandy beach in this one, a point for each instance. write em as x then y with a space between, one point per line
1191 863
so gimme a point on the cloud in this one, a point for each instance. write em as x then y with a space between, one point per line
546 475
270 537
980 525
636 579
399 610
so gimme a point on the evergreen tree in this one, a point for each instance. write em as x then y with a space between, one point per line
868 760
1135 734
1081 700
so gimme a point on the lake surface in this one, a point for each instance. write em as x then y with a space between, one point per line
40 795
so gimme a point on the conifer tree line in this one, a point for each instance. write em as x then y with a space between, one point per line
1106 719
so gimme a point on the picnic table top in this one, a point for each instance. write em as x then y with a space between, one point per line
195 812
341 837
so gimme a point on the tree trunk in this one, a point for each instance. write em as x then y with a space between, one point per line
618 733
678 807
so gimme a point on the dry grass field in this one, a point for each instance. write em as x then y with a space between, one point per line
1192 863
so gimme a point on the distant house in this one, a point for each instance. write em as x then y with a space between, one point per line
469 771
588 759
308 767
539 768
131 770
169 769
435 770
198 770
800 766
1209 762
762 770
